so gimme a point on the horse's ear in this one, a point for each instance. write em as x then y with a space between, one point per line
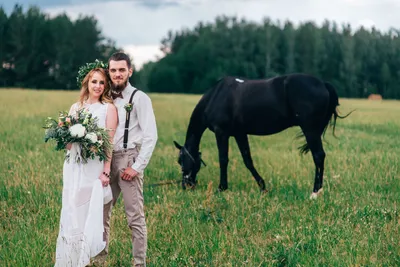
178 146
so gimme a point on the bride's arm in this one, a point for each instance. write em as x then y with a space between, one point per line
72 110
111 124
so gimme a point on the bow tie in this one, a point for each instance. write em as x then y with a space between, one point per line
116 94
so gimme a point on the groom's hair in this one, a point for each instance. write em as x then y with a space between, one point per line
118 56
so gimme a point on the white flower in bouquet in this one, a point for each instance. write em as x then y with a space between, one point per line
70 127
77 130
92 137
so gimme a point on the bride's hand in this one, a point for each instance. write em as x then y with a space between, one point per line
104 180
68 146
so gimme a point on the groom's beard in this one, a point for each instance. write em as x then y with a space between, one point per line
119 87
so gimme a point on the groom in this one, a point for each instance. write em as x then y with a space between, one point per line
134 142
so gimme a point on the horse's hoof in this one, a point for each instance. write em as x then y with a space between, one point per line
315 195
261 185
191 187
222 189
264 191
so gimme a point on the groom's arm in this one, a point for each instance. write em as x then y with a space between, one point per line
147 123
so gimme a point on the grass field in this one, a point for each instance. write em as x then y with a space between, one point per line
355 222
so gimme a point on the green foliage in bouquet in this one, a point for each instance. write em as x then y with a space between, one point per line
82 129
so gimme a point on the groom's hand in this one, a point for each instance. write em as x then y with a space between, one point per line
129 174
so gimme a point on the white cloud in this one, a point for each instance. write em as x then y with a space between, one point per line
143 53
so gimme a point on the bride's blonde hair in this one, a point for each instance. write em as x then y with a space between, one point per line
105 96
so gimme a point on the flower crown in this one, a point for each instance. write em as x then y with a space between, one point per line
85 69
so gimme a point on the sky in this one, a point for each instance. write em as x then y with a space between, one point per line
138 26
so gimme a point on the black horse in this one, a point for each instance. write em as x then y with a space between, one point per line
236 107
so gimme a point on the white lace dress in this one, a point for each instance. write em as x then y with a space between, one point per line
81 224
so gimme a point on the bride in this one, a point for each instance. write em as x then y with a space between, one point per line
86 186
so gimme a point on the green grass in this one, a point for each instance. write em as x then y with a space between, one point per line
355 222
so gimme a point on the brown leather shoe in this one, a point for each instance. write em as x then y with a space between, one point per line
137 265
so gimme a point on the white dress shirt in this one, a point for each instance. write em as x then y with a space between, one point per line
142 126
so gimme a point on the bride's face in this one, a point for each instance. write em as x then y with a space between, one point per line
96 85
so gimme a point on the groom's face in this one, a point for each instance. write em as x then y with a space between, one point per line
119 74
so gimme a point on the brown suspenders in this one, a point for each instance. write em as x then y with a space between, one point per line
128 115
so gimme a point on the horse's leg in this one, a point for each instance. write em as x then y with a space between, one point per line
243 144
315 144
223 147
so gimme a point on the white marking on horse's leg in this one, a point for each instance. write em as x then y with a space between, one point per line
315 195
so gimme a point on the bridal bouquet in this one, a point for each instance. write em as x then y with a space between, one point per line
81 130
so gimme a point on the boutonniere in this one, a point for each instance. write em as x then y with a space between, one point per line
128 107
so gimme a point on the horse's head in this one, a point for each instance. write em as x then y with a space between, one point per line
190 165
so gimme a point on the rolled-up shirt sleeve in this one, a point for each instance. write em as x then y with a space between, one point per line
147 123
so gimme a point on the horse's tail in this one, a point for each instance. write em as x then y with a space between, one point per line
333 113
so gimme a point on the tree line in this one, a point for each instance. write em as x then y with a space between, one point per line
38 51
357 62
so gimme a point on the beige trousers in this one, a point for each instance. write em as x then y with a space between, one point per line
132 193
